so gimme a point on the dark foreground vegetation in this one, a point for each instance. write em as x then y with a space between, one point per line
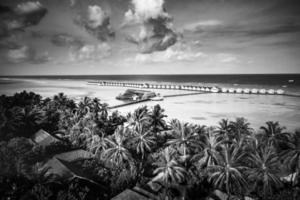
187 161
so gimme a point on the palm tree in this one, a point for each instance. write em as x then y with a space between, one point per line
264 169
168 170
32 119
60 99
142 139
10 121
99 107
239 128
157 119
184 137
85 106
291 156
228 172
210 145
273 133
117 153
139 116
224 129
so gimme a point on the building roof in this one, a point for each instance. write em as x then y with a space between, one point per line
74 155
43 138
129 195
56 167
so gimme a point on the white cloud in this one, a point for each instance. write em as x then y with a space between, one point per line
146 9
179 52
26 54
227 58
91 52
21 54
28 7
96 16
202 24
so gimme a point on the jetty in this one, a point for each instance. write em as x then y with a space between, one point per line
198 88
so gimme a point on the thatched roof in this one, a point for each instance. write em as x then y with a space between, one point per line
129 195
56 167
43 138
74 155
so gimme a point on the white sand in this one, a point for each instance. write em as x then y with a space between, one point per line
205 109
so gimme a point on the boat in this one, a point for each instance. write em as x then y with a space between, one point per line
254 91
291 81
271 91
279 91
207 90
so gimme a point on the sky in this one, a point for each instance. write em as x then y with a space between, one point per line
95 37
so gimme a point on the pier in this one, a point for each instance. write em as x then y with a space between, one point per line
145 100
198 88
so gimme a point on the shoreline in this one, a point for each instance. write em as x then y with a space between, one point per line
206 108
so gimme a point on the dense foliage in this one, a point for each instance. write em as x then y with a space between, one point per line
188 161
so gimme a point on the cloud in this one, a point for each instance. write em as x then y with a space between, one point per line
198 26
24 15
90 52
96 22
178 52
63 40
21 54
156 27
25 53
226 58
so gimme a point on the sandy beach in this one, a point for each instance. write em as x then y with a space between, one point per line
204 109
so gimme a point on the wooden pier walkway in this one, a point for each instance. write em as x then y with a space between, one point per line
128 103
145 100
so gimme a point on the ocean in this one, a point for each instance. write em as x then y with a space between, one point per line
290 80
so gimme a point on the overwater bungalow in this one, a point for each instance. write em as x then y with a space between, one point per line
246 91
239 90
262 91
271 91
254 91
135 95
224 90
280 91
231 90
214 90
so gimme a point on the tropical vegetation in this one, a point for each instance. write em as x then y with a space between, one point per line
187 161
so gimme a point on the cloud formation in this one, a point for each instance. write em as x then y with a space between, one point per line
156 27
66 40
96 22
24 53
24 15
90 52
178 52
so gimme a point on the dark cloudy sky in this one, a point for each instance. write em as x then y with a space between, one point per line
149 36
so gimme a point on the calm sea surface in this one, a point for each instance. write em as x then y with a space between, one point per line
291 80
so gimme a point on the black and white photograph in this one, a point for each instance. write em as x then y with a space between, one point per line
149 99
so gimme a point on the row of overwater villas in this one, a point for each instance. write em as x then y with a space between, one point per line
194 88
